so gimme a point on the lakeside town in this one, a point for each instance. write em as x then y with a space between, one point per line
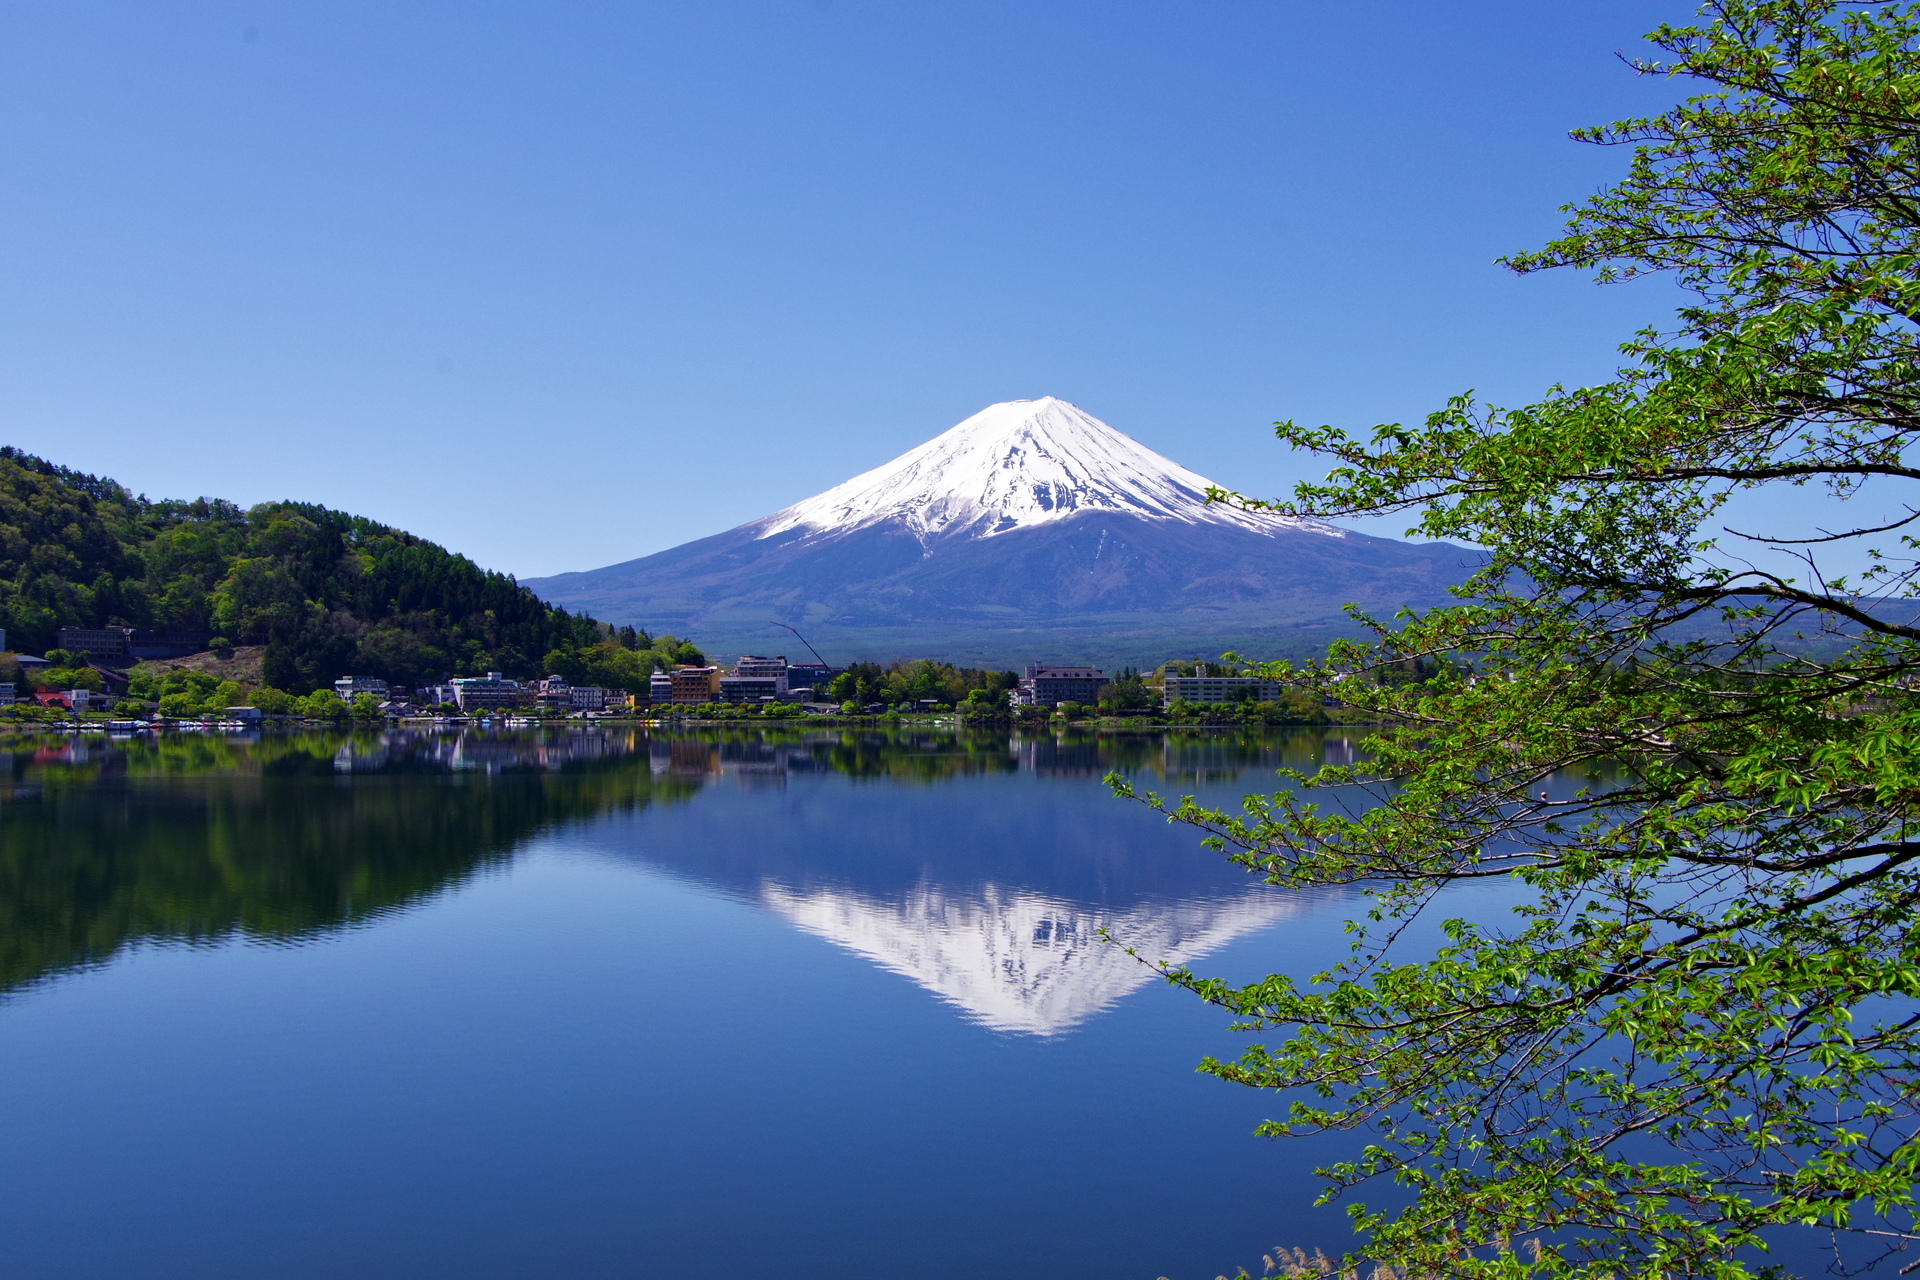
125 678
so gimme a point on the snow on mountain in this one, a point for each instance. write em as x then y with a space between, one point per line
1030 528
1016 465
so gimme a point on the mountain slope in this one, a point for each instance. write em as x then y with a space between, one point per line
1028 520
325 592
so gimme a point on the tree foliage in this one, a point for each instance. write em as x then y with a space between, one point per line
1692 749
625 659
907 682
327 593
1127 691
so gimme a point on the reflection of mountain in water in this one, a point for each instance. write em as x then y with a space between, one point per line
1018 960
992 896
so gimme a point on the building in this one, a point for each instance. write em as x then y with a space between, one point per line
1207 689
754 689
660 687
245 715
485 693
124 645
99 644
1048 686
351 687
143 644
696 684
553 693
752 666
814 675
433 695
587 697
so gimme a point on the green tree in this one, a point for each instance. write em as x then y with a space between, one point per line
181 706
70 678
1127 692
1691 750
273 702
324 704
607 663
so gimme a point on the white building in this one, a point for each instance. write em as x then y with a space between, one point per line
351 687
752 688
480 693
752 666
1209 689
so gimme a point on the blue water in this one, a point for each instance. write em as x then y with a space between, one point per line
611 1005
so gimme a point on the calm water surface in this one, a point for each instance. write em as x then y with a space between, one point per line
610 1004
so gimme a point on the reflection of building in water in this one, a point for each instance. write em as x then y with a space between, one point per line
475 751
1060 758
693 758
361 757
1018 960
751 762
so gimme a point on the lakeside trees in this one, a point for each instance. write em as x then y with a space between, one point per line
1691 746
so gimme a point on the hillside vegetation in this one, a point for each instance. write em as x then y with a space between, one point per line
325 593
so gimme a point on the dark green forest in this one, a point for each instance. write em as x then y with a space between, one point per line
327 593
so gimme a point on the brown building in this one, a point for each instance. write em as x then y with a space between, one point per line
102 644
696 684
1049 686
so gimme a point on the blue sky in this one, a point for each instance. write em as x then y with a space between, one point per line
562 283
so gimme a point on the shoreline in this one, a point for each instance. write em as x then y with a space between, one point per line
295 725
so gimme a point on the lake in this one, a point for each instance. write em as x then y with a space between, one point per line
610 1003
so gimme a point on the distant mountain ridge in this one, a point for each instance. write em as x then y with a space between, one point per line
1032 528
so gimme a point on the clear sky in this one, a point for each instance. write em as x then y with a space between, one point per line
562 283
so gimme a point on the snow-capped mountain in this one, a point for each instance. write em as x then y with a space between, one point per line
1031 531
1019 465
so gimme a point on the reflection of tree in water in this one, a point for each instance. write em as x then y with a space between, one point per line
934 755
192 838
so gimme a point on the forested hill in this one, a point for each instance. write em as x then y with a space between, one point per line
327 593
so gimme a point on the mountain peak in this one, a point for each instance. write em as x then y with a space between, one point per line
1015 465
